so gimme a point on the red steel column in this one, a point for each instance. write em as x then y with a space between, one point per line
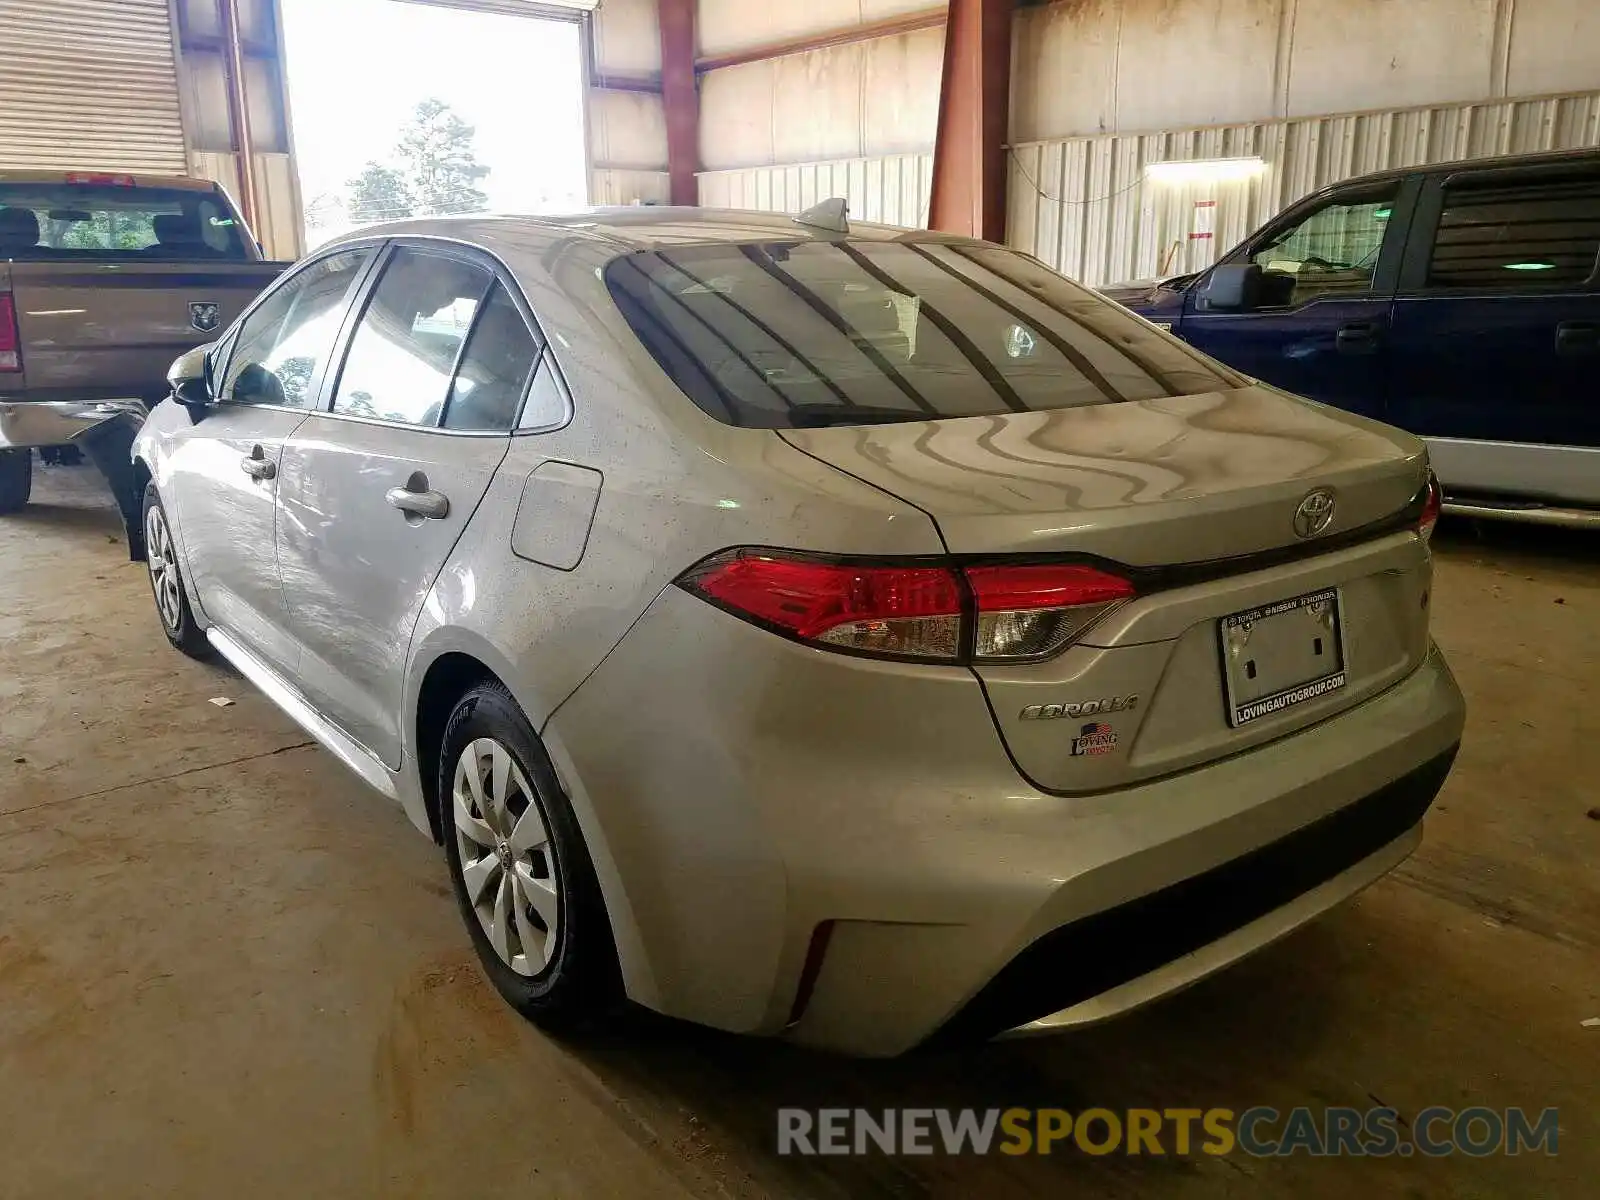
679 97
969 156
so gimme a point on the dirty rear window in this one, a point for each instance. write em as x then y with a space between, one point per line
809 333
48 222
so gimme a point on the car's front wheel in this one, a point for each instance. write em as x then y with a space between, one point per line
522 874
166 580
16 480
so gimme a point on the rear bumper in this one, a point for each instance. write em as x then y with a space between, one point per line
764 790
105 430
25 424
1108 963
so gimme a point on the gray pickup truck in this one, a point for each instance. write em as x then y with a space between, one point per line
104 280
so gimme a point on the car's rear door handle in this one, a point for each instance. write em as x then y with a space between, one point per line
258 466
1357 339
415 499
1577 337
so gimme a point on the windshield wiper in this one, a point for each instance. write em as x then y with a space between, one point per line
819 416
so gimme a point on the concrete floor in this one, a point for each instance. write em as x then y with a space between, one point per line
227 969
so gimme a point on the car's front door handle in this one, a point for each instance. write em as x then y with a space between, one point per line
1357 339
419 501
1577 337
258 466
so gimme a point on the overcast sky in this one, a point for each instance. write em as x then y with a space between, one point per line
358 67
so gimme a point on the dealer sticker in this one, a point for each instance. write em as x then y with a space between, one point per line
1094 739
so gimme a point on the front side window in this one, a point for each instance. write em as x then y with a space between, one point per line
49 222
1517 235
404 352
795 334
1332 252
282 347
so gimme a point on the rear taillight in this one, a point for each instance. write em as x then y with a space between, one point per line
1035 611
905 612
930 613
1433 501
10 339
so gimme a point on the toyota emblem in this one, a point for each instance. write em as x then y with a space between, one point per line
1315 513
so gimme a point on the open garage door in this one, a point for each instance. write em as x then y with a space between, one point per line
495 126
89 84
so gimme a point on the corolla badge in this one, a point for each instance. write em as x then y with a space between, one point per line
1315 513
204 315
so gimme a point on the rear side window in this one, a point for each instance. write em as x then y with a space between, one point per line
1525 235
405 349
48 222
796 334
494 370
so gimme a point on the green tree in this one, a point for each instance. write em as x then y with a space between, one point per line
103 231
440 167
380 193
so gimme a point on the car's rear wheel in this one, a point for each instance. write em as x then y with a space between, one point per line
16 480
520 869
166 580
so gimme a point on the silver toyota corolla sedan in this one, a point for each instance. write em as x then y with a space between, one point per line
844 633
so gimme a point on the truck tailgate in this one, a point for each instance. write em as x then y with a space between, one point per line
92 330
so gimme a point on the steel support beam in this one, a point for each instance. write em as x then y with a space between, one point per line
244 147
680 98
912 22
969 155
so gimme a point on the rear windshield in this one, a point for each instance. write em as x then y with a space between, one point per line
794 334
45 222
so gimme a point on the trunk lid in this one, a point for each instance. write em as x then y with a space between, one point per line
1203 481
1146 483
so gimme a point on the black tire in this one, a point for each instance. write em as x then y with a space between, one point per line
16 480
581 981
172 598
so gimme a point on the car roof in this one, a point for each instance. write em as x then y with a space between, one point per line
115 178
638 227
1499 162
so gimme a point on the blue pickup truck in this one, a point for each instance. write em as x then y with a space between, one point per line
1461 302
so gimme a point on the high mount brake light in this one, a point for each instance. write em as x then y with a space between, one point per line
101 179
998 613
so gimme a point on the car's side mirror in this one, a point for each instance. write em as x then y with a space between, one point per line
190 379
1233 287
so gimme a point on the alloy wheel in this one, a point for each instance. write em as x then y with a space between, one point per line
507 864
162 557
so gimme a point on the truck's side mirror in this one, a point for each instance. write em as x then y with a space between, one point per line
190 378
1233 287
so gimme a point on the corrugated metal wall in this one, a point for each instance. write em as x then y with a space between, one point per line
89 85
615 185
1084 205
893 189
863 100
627 129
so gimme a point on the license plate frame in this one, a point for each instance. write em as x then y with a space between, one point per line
1283 625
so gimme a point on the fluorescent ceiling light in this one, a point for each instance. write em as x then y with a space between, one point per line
1531 266
1205 170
